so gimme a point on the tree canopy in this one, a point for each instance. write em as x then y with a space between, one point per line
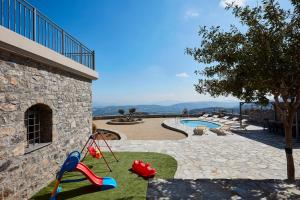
257 63
254 64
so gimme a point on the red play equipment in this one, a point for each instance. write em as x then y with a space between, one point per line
94 152
94 148
143 169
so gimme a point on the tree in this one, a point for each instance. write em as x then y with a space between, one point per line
94 128
121 111
131 112
257 63
185 112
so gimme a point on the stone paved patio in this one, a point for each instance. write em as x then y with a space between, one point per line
222 189
253 154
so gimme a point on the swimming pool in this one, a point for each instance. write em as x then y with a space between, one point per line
194 123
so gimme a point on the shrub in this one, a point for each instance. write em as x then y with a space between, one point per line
131 112
121 111
199 130
94 128
185 112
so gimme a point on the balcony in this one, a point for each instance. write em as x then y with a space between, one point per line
21 17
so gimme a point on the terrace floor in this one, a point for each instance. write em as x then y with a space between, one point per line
248 156
151 129
254 155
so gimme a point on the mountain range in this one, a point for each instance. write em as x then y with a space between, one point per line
168 109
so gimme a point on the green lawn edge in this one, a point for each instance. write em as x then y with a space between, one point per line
130 185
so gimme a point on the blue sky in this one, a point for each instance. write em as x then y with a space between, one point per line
140 44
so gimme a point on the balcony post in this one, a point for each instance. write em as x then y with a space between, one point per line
80 53
93 58
8 13
62 42
2 12
34 25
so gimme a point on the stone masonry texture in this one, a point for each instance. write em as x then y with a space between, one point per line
24 83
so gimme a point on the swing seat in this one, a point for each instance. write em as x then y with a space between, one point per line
93 152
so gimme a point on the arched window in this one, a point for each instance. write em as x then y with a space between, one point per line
38 123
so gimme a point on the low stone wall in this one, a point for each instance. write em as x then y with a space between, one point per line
259 116
175 125
125 123
145 116
23 83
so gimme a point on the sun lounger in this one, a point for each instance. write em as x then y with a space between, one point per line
232 121
216 118
204 116
236 124
224 119
238 127
212 117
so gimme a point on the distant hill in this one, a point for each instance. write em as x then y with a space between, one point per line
207 106
214 109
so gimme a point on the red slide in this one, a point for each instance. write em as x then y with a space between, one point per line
105 182
89 174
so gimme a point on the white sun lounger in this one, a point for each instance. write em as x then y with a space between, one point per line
215 118
232 121
238 125
224 119
236 122
212 117
204 116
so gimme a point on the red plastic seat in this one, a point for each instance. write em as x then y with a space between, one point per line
94 152
143 169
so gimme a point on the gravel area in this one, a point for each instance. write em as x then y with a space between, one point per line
151 129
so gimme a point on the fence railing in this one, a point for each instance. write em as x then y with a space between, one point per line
24 19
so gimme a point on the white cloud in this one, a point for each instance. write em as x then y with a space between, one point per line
182 75
189 14
224 3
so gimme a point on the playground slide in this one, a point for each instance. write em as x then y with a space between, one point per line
105 182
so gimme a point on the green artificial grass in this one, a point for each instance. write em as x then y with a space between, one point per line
130 186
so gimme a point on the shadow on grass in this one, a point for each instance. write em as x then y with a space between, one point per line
89 189
126 198
212 189
145 178
265 137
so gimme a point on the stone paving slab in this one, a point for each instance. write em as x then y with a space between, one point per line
248 164
252 155
222 189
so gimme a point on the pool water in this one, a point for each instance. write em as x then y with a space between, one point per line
195 123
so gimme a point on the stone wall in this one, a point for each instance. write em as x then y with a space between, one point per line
259 116
23 83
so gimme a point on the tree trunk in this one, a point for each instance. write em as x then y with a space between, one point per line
289 150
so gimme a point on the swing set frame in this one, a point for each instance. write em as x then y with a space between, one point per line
92 141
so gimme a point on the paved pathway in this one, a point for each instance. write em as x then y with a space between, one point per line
253 155
222 189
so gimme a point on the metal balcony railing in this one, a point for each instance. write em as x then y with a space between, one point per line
24 19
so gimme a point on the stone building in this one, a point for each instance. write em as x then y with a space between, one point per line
45 101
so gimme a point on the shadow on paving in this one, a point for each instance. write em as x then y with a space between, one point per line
222 189
265 137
